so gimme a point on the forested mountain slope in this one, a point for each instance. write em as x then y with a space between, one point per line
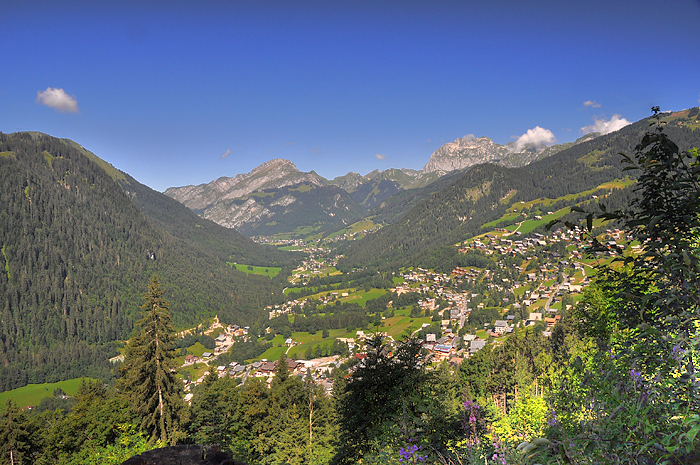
77 254
425 234
173 217
286 209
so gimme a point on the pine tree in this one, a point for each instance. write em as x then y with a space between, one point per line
14 437
148 372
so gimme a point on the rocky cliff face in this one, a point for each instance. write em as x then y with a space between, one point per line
469 150
270 175
274 197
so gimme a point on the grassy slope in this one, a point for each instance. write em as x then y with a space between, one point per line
33 393
269 271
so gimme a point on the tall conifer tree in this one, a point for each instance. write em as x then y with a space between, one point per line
148 372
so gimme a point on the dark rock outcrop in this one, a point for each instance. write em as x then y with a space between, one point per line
196 454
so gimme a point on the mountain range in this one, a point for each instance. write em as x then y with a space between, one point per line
442 217
265 202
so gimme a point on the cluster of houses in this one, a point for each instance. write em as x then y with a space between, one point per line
315 370
223 342
442 288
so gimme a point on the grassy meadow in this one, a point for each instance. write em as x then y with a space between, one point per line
33 393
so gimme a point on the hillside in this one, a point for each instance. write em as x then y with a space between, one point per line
77 255
290 209
174 218
423 235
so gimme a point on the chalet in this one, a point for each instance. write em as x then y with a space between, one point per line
220 339
501 326
267 369
444 348
552 321
206 354
476 345
238 369
295 367
443 340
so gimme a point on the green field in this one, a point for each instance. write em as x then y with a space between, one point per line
290 248
395 327
355 295
33 393
529 225
194 371
507 218
361 297
287 290
362 225
585 195
269 271
303 340
261 194
399 325
301 188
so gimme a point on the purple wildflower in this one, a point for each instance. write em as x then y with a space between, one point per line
677 353
501 459
409 454
552 420
636 376
470 421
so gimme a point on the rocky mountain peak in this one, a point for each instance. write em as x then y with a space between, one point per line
470 150
464 152
270 175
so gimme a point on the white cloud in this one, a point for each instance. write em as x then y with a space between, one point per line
58 100
228 152
536 136
604 127
591 104
380 156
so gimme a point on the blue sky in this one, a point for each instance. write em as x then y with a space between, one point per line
178 93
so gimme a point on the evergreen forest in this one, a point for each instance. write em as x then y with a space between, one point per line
76 251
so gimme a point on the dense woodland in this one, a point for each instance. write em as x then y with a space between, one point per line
76 252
